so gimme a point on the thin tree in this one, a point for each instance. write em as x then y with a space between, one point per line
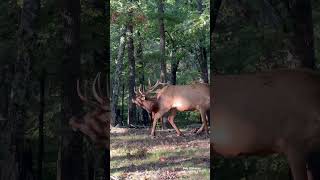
202 52
41 124
71 153
163 68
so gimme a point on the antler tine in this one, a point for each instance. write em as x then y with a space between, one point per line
135 90
109 91
106 97
99 85
141 93
83 98
153 87
95 94
149 82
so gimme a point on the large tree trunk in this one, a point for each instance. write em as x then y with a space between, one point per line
71 156
303 39
143 113
214 9
117 76
163 68
18 165
303 49
132 72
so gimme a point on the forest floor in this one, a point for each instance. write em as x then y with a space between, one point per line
134 155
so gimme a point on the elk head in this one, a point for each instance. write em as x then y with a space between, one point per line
144 99
95 123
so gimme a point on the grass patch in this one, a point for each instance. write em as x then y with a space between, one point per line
136 156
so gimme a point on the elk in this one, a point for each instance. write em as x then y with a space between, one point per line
96 123
270 112
173 98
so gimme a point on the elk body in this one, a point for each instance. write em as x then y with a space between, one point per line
95 123
173 98
271 112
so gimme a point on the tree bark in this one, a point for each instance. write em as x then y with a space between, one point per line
18 164
303 39
117 76
72 162
174 61
163 73
202 52
132 72
214 9
41 119
143 113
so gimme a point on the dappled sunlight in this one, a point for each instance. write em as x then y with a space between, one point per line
135 155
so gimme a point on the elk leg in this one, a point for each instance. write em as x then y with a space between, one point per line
157 116
171 118
297 164
204 122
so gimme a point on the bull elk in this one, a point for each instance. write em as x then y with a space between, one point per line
173 98
96 123
269 112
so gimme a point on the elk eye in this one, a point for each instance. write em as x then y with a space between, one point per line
143 98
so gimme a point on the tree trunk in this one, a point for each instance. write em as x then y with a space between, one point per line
122 106
117 76
174 69
303 39
19 160
143 113
163 73
72 162
214 9
132 72
174 61
202 52
41 118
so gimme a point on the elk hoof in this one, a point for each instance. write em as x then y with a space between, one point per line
152 136
180 135
194 130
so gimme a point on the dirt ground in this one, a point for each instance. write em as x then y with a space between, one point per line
135 155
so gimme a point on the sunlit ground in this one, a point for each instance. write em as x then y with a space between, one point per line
134 155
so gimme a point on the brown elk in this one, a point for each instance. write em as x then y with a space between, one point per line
96 123
173 98
270 112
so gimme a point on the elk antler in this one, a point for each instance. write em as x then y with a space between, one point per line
95 94
151 89
83 98
141 92
105 98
